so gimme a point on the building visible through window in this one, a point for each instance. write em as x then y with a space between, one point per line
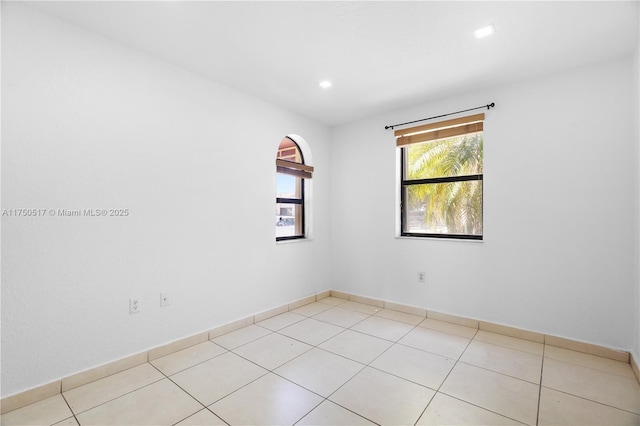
441 179
291 172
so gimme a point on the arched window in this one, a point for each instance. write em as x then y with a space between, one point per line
291 172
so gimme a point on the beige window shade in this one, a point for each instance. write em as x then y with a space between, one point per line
441 130
295 169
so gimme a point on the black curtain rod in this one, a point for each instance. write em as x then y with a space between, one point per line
491 105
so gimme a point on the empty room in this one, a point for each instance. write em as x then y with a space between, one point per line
283 213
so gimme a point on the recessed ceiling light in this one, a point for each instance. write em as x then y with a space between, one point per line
484 31
325 84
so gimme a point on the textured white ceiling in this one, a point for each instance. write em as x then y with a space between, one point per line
380 55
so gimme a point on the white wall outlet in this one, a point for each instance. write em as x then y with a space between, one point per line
134 305
164 298
422 277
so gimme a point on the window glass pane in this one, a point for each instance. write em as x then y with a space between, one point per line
285 185
288 220
459 156
289 151
444 208
288 186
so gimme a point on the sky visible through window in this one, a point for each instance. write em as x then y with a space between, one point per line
285 185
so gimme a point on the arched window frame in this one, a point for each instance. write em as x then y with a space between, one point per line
301 171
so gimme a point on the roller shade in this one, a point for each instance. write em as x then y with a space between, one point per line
295 169
441 130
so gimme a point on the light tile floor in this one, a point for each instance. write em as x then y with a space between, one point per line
335 362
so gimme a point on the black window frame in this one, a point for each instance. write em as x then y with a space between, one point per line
406 183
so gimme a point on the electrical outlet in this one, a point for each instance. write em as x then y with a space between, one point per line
422 277
164 298
134 305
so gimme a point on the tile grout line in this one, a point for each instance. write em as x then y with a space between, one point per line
583 397
425 408
373 360
308 412
468 402
540 385
342 356
394 343
196 364
509 347
204 409
446 377
245 343
230 393
544 348
397 342
297 356
593 368
324 398
342 385
142 387
186 392
70 409
498 372
119 396
593 401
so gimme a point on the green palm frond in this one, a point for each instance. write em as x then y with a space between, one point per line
458 205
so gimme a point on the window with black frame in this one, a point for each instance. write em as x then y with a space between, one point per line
291 173
442 179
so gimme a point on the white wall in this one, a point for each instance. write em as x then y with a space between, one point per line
88 123
557 256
